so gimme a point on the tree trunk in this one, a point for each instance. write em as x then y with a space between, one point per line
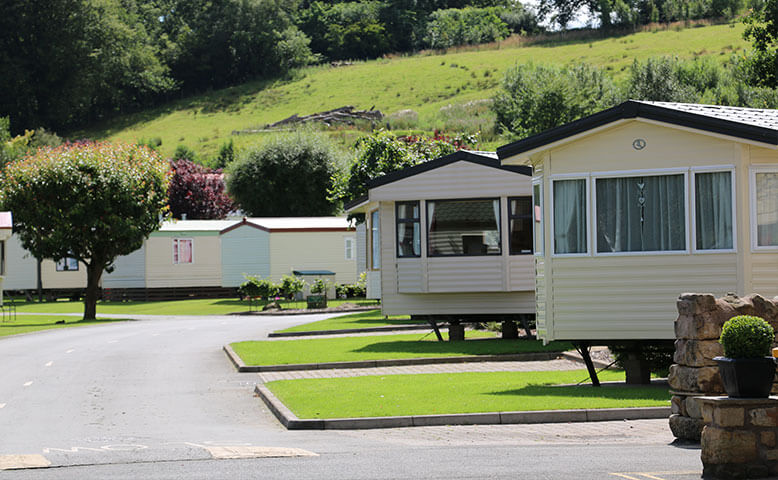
94 271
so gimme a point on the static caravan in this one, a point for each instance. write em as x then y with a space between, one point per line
642 202
451 237
66 275
6 226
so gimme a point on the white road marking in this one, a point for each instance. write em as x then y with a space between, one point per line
113 341
155 334
16 462
2 405
27 384
226 452
70 351
49 364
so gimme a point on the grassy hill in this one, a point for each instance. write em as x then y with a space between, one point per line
426 83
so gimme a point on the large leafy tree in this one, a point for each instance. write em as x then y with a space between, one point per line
198 192
89 201
287 176
762 30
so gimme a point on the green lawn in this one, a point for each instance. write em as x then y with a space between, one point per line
35 323
381 347
388 395
372 318
427 83
210 306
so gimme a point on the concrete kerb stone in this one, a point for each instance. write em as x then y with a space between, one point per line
242 367
396 328
291 422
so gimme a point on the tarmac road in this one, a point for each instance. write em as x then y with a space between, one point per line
157 398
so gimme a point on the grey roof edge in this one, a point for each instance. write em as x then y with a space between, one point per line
458 156
355 203
633 109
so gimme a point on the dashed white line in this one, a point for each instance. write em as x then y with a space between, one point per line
49 364
70 351
2 405
27 384
113 341
155 334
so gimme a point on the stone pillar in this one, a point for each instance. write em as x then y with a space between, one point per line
695 374
739 438
456 331
509 329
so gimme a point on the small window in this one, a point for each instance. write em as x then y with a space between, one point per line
713 211
766 209
464 227
182 251
520 215
537 207
348 244
570 216
67 264
375 241
408 229
641 214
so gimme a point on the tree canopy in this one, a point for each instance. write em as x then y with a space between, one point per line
88 201
762 30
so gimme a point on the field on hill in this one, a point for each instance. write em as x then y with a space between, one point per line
438 87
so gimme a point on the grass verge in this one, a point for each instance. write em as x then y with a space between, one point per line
381 347
425 394
35 323
208 306
372 318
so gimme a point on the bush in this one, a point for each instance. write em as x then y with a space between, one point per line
290 286
256 287
464 26
352 290
658 356
286 177
747 336
320 286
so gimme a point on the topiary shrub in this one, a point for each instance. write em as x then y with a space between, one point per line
746 336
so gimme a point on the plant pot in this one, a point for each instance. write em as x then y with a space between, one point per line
747 377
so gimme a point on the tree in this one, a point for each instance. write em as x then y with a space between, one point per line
287 176
197 192
762 30
89 201
535 98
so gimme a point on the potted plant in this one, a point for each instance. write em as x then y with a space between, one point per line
746 368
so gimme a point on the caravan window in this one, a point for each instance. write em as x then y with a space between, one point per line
765 208
641 213
408 229
463 227
520 213
713 211
67 264
183 251
569 209
375 241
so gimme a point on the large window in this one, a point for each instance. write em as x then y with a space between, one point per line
463 227
183 251
713 211
766 208
569 216
375 241
520 214
408 230
67 264
641 214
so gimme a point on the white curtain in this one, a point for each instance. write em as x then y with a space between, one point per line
570 216
713 210
641 214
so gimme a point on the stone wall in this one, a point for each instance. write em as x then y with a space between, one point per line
697 330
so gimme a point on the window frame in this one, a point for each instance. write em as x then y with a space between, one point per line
464 199
374 228
587 211
693 206
398 221
176 256
512 217
348 248
642 173
541 249
753 170
2 258
65 260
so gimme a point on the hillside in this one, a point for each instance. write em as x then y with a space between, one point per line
423 83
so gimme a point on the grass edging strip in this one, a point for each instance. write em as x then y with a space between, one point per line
350 330
517 357
291 422
309 311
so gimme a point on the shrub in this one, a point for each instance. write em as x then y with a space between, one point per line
746 336
658 356
290 286
256 287
197 192
464 26
320 286
351 290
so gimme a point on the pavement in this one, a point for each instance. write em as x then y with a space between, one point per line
157 398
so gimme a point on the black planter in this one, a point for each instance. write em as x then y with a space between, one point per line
747 377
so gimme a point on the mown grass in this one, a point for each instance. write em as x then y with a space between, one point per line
390 395
425 83
210 306
35 323
372 318
382 347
